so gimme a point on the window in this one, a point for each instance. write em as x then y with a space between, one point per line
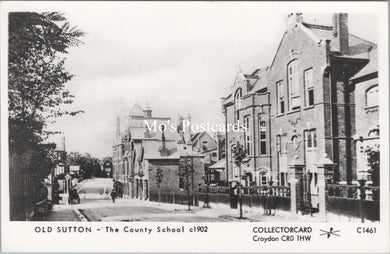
263 179
262 137
372 98
204 145
309 90
279 143
248 138
181 182
280 97
282 179
237 104
311 139
293 85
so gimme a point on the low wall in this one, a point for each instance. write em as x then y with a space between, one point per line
173 198
273 202
351 207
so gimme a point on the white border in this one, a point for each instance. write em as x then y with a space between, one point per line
222 237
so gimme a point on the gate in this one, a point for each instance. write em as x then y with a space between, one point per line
304 192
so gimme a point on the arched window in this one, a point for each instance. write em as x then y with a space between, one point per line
237 104
372 98
293 85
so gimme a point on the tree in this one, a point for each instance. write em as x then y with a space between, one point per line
158 180
107 163
88 164
37 76
37 43
373 158
185 170
239 155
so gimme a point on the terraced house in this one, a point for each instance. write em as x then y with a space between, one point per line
318 99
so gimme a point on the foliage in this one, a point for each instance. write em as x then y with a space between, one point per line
239 154
89 166
158 177
107 163
36 75
373 158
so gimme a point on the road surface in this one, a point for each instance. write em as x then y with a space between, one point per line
96 205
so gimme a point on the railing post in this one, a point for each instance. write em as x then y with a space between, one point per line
325 169
362 183
295 170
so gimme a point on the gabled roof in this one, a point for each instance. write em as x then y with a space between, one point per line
371 67
152 150
356 44
136 110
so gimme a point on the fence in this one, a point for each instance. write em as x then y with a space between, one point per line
347 200
354 201
21 185
274 197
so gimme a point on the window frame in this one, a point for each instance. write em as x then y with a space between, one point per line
280 98
293 85
237 100
247 135
262 130
308 89
312 136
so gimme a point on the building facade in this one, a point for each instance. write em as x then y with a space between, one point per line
143 147
318 97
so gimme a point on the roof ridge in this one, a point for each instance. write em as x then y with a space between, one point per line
317 26
362 39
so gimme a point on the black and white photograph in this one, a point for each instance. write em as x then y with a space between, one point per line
196 114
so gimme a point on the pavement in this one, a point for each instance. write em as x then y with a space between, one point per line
63 213
96 205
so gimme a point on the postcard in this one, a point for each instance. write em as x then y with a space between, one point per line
202 127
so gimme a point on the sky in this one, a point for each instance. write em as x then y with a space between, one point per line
178 58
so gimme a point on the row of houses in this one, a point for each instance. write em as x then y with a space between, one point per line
317 99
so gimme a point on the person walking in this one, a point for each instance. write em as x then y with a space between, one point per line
113 195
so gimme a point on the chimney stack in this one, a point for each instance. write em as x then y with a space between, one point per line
118 128
188 134
292 20
340 32
63 143
163 149
148 111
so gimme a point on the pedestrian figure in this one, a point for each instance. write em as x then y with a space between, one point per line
113 195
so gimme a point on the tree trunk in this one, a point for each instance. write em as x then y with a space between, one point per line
188 193
159 196
240 197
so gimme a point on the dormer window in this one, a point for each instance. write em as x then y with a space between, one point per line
293 85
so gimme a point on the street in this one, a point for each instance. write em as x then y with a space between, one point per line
96 205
